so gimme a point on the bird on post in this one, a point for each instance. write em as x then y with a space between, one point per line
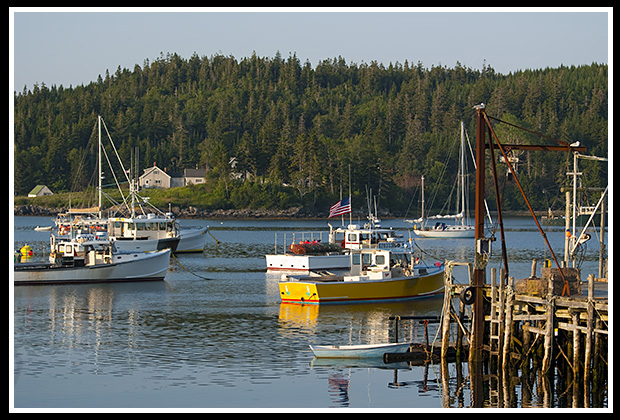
480 106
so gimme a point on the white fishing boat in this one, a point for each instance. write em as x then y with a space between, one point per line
147 229
87 260
191 240
149 232
359 351
461 228
310 251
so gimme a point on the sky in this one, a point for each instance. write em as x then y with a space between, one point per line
73 46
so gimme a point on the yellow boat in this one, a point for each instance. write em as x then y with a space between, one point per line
376 275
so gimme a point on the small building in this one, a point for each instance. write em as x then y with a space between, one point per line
194 176
154 177
40 191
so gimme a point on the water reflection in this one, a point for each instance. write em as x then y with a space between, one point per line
222 338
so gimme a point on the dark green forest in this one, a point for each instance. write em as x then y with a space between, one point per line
302 134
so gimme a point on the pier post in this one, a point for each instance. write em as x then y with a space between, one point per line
445 316
589 329
576 344
479 276
549 330
508 323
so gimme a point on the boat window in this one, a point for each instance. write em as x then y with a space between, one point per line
356 259
139 226
352 237
380 260
366 259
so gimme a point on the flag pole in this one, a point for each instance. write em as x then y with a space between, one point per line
351 212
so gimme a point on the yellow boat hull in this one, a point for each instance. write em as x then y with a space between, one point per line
313 292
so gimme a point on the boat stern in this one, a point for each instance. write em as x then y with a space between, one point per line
298 292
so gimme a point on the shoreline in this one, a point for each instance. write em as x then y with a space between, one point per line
291 213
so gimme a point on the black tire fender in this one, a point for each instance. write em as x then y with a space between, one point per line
468 295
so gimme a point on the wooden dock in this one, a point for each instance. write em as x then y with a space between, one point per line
546 332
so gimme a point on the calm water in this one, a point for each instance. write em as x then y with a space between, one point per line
215 335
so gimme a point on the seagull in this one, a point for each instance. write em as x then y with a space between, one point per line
575 144
481 106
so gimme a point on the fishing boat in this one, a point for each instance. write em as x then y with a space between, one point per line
148 232
461 228
308 251
191 240
375 275
147 229
359 351
88 260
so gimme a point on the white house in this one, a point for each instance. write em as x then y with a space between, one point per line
155 177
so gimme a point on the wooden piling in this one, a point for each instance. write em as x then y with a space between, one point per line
589 328
531 328
549 328
508 323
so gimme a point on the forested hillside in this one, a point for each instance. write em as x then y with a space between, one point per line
301 133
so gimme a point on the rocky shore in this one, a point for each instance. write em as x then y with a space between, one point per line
194 213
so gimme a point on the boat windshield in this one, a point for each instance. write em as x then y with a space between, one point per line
402 259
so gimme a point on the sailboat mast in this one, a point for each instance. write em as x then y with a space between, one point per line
462 172
99 163
423 199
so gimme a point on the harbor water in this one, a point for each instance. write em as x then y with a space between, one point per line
214 335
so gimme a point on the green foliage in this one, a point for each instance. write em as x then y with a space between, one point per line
301 136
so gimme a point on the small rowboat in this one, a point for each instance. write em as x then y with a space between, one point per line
359 351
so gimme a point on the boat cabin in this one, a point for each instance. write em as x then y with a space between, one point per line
380 264
81 252
354 237
150 226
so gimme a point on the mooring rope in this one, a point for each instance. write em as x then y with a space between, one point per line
189 271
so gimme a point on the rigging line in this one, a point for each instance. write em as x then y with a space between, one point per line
500 216
562 142
473 159
542 232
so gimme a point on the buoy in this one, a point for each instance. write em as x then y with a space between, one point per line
26 251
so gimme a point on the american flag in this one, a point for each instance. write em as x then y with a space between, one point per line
341 207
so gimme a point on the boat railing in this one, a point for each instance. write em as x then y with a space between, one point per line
284 239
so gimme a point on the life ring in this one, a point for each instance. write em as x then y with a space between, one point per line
468 295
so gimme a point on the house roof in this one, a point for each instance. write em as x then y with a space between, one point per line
194 173
36 190
148 171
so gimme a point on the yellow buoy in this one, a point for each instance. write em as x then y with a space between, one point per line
26 251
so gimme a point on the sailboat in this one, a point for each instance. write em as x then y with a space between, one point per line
460 229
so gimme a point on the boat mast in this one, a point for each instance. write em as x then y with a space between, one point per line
99 159
462 173
422 217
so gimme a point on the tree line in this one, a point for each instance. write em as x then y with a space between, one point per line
276 132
